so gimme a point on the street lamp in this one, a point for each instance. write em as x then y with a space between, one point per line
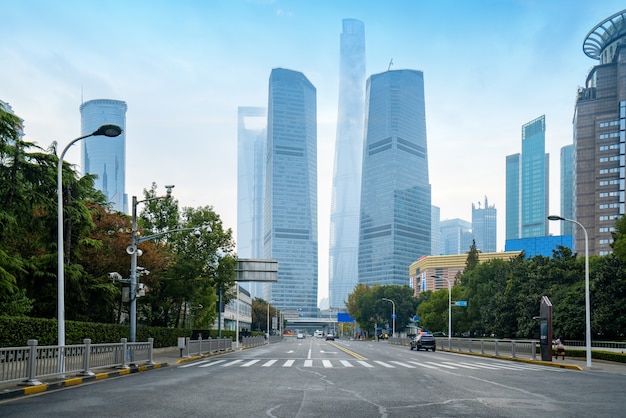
587 305
393 316
104 130
449 310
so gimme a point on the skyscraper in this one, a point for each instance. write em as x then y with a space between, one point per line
567 189
484 227
251 138
106 158
290 205
395 221
531 168
456 236
344 216
600 136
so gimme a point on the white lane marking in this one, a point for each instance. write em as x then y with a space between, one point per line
308 363
327 363
309 356
212 363
422 365
250 363
465 366
382 363
485 366
231 363
445 366
346 363
288 363
364 363
269 363
196 363
290 351
399 363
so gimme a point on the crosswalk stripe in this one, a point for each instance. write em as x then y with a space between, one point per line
213 363
230 363
445 366
269 363
485 366
465 366
308 363
422 365
364 363
382 363
194 364
250 363
288 363
346 363
327 363
399 363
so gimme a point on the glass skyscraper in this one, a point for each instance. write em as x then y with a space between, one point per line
456 236
527 184
344 215
567 189
251 138
600 136
484 227
395 221
290 205
105 157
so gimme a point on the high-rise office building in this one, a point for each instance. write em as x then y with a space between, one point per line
395 221
435 231
290 204
105 158
251 138
456 236
343 272
531 168
600 136
484 227
567 189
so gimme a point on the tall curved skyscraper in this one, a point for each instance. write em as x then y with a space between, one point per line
105 157
290 204
395 223
344 215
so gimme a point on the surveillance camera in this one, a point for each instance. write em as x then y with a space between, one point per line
168 189
115 276
197 233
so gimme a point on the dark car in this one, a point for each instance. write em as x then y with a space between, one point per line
423 341
330 337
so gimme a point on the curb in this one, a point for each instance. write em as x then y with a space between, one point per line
44 387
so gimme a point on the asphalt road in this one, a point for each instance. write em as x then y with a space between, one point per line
315 378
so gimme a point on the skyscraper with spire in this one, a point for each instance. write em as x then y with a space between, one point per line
105 158
344 216
290 204
395 221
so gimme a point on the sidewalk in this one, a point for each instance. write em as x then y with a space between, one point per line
162 357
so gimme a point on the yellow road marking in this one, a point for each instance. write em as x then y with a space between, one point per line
345 350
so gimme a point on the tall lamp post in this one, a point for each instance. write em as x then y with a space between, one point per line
587 304
104 130
449 309
393 316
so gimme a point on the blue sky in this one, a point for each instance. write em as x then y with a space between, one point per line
184 67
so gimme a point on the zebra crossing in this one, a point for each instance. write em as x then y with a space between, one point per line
351 364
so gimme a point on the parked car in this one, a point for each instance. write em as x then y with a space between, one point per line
423 341
330 337
300 336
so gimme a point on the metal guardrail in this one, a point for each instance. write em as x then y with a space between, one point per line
208 346
32 362
505 348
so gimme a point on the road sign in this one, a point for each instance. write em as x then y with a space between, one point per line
460 303
416 318
393 316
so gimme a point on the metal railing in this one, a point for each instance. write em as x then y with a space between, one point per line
250 342
209 346
32 362
505 348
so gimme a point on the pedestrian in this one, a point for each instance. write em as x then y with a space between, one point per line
560 348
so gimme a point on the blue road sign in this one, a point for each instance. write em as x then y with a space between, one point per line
460 303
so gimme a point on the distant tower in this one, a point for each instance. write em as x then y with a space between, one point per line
106 158
290 205
251 138
343 272
600 137
484 227
456 236
527 184
567 189
395 221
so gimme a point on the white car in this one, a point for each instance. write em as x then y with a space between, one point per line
300 336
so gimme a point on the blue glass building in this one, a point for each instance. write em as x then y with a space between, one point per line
527 184
456 236
567 189
251 138
484 227
395 221
290 204
344 216
106 158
